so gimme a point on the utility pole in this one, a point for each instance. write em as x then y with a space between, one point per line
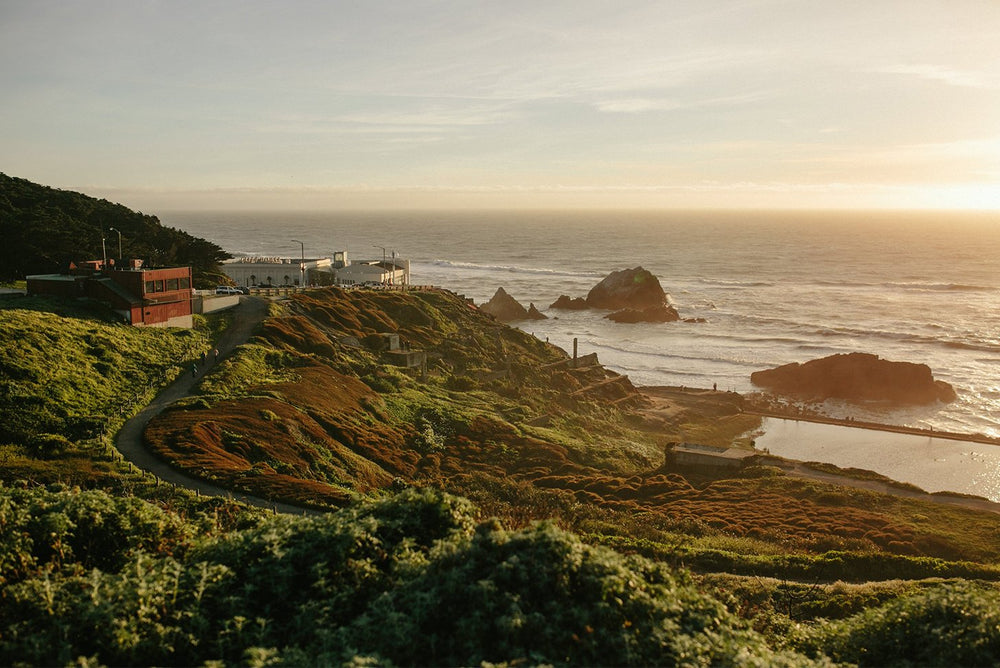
383 260
120 258
302 263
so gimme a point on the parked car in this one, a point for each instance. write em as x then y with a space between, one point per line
227 290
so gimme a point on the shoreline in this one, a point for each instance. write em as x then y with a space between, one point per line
843 475
753 408
876 426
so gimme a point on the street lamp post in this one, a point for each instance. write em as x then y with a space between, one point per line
302 263
113 229
383 260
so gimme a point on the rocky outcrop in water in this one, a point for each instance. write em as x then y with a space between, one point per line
856 377
504 308
535 314
627 289
662 313
635 295
570 304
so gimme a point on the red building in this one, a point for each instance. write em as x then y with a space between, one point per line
144 297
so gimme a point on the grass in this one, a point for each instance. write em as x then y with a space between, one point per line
71 376
88 369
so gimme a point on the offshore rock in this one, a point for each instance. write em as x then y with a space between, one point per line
566 303
662 313
535 314
504 308
856 377
628 289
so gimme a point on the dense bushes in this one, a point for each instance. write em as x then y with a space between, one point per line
956 624
410 580
44 531
406 581
541 596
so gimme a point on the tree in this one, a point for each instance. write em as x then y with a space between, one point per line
45 229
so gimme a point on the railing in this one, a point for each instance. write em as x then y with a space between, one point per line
276 290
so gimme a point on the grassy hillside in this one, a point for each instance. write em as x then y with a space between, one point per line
440 476
45 229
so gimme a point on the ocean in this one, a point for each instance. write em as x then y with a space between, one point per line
772 287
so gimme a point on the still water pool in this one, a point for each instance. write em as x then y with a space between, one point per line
933 464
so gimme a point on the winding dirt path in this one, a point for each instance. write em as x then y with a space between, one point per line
248 315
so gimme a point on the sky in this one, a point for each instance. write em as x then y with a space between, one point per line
167 105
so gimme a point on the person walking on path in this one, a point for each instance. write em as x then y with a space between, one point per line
216 354
194 370
204 358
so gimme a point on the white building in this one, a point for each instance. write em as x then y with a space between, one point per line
385 272
274 271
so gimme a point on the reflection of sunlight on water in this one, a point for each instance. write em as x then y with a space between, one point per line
933 464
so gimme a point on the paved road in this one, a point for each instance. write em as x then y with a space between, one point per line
250 312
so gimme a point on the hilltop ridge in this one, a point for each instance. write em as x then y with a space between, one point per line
44 229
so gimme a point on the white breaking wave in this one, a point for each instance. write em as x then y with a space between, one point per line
513 269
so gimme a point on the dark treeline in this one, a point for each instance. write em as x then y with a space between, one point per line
44 229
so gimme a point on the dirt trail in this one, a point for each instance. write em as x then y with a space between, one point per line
250 312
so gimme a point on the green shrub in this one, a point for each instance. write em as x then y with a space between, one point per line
461 383
379 383
48 446
53 528
955 624
540 596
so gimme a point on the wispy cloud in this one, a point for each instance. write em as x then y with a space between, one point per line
945 75
639 104
636 105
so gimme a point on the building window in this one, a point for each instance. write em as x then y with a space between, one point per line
150 287
172 284
159 286
185 283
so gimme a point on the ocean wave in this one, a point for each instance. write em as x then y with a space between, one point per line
732 283
916 286
940 287
662 356
908 337
966 345
513 269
